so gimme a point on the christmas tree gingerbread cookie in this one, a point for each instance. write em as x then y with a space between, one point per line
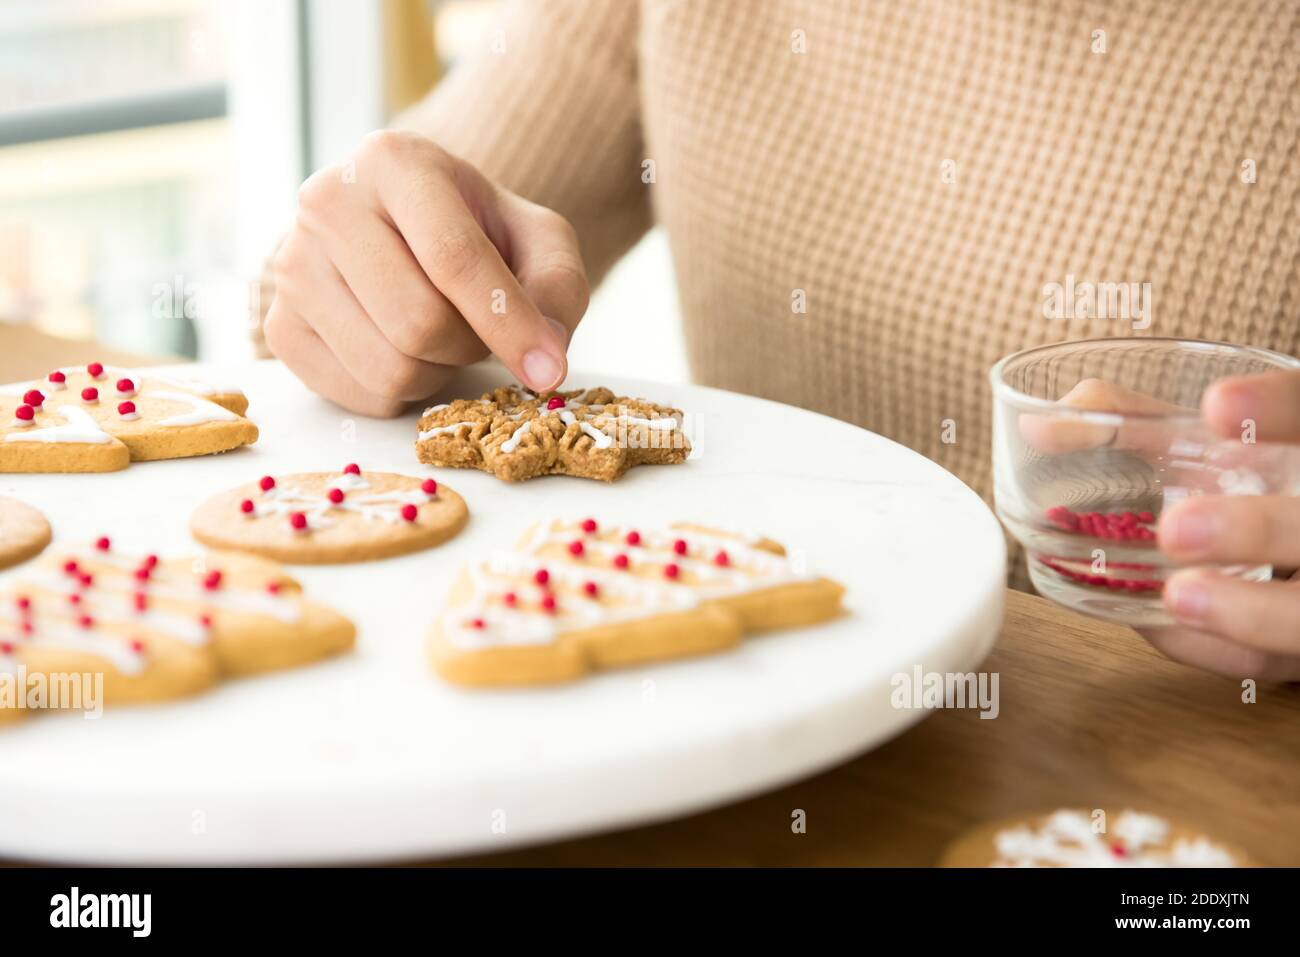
24 532
518 435
1078 838
100 419
576 597
321 517
159 630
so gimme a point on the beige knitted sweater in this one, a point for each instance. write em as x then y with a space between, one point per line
867 198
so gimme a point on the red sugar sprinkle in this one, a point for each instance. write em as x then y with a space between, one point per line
70 567
24 602
352 468
1146 517
6 648
125 385
336 495
591 588
589 525
86 579
85 621
125 408
74 599
205 621
722 559
96 369
429 487
679 546
298 520
510 598
541 576
477 623
90 395
620 561
1119 850
576 548
247 506
633 538
151 562
26 627
137 646
213 581
548 603
24 413
33 397
555 402
142 574
141 601
103 543
273 587
266 483
410 512
57 376
671 570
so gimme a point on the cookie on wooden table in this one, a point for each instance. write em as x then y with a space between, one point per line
100 418
158 630
518 435
24 532
1078 838
576 597
316 518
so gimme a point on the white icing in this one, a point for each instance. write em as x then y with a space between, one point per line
201 410
129 416
442 429
637 592
22 423
1067 839
512 443
80 428
349 481
601 440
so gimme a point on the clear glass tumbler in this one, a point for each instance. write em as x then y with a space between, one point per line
1093 439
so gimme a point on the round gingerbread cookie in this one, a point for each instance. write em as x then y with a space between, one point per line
317 518
1097 838
24 532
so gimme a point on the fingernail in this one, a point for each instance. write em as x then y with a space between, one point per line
1188 530
561 331
542 370
1188 599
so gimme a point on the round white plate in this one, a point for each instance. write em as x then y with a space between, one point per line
372 757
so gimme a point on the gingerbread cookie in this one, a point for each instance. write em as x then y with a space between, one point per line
158 630
575 597
24 532
517 435
317 518
1077 838
99 419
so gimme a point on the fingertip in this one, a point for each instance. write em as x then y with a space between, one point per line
1188 528
542 371
1228 403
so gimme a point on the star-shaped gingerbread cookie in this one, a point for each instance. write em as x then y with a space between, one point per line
157 630
575 597
99 419
518 435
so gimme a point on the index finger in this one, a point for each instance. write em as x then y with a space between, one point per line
467 268
1268 403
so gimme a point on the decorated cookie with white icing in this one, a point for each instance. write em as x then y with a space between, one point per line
317 518
101 418
580 596
1098 838
162 629
24 532
517 435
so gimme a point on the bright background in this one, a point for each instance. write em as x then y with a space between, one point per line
151 150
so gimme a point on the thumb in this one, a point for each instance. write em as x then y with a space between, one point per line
547 261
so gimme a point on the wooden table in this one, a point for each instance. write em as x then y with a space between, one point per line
1090 716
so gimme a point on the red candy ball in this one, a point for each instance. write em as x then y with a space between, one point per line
548 603
336 495
679 546
213 581
266 483
103 543
125 385
620 561
273 587
96 369
33 397
541 576
247 506
141 601
429 487
510 598
298 520
477 623
137 646
555 402
589 526
24 413
591 588
410 512
722 559
576 548
85 621
90 395
671 571
633 538
56 377
352 468
125 408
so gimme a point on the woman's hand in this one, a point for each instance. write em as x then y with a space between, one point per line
1234 627
405 262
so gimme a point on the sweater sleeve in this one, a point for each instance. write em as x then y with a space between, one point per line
549 108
